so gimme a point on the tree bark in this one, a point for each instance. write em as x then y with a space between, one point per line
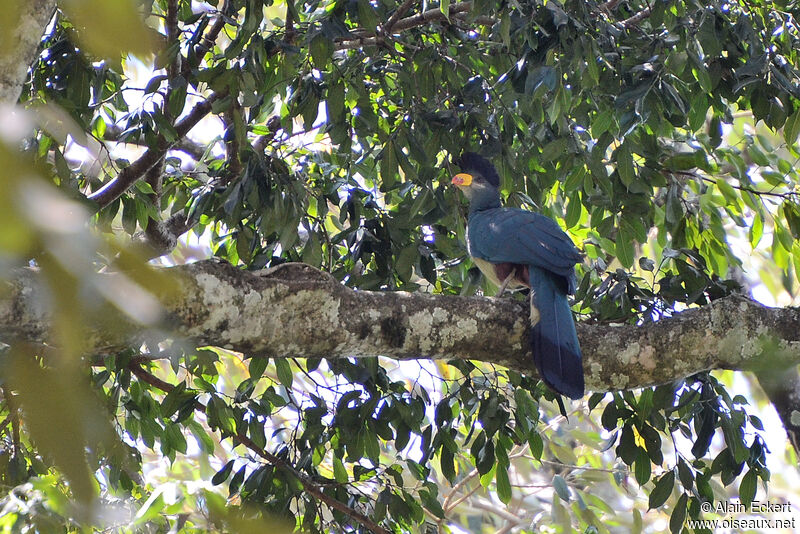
296 311
18 48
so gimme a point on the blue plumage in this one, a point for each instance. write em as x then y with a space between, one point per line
518 236
531 250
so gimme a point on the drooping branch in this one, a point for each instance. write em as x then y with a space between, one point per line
308 485
298 311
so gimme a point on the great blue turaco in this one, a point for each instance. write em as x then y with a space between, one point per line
518 248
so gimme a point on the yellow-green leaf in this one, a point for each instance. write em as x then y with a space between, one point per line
339 472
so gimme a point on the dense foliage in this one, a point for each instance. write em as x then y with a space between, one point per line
661 134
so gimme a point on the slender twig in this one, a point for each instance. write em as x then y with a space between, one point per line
192 148
308 485
709 180
129 175
638 17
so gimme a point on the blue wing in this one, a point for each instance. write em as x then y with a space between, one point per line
518 236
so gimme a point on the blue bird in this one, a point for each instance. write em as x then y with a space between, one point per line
517 248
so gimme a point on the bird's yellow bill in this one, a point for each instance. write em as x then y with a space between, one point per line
462 179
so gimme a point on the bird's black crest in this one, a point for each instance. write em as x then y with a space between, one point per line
470 161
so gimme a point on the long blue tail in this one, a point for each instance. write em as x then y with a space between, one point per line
553 338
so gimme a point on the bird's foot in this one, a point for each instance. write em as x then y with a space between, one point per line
504 285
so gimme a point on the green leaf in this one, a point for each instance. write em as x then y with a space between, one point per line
367 16
727 191
678 516
372 447
791 128
627 449
447 464
444 7
573 210
321 50
223 474
685 474
561 488
747 488
756 230
284 371
593 69
682 161
339 472
536 444
662 490
154 84
175 438
627 174
129 215
701 74
257 366
602 122
335 102
431 503
554 149
503 485
698 111
575 179
641 467
624 246
150 509
405 262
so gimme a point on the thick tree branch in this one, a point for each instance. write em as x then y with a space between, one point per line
430 15
129 175
308 485
364 38
18 47
207 41
297 311
399 12
173 43
782 388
